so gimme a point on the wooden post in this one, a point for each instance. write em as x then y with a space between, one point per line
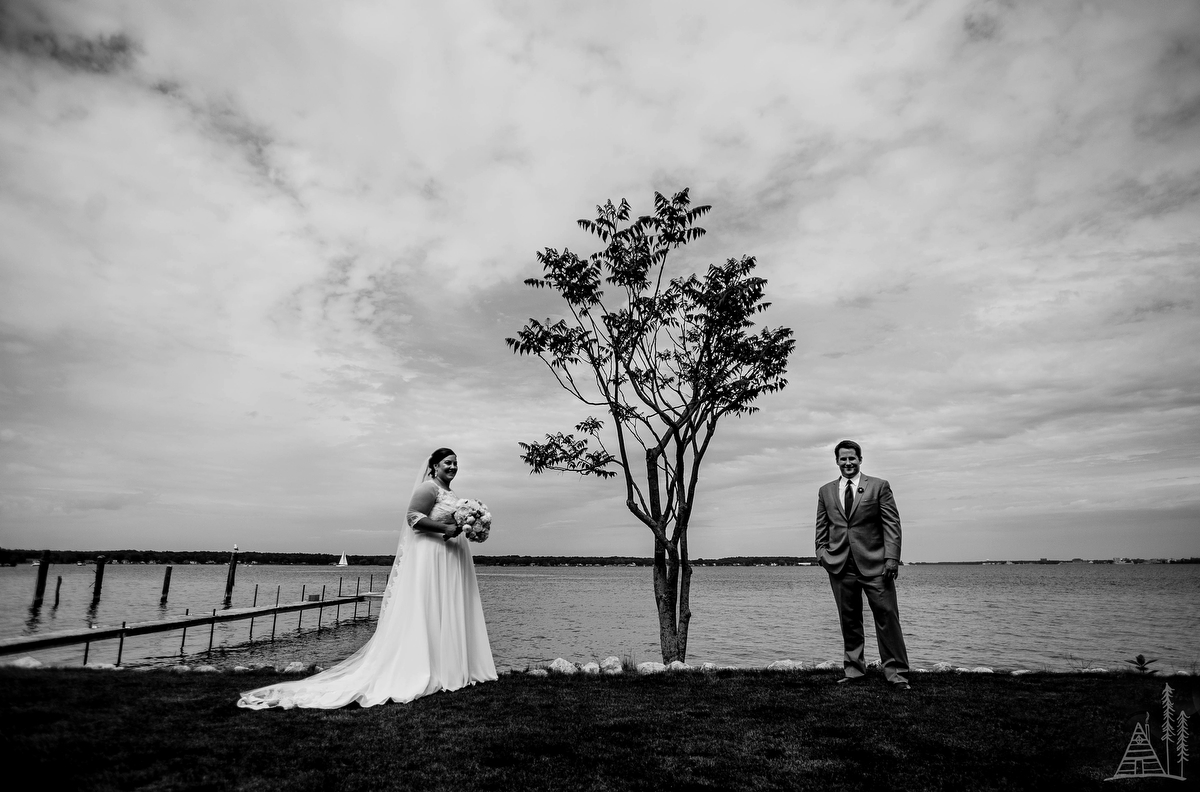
166 586
121 644
87 647
357 585
300 620
370 587
57 586
99 584
253 605
39 589
275 615
183 640
229 577
212 626
337 615
320 610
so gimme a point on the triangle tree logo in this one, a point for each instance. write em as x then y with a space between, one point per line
1142 761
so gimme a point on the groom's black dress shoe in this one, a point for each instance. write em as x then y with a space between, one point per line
900 686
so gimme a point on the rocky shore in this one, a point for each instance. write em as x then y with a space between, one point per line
608 666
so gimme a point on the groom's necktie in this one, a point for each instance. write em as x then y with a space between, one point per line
849 496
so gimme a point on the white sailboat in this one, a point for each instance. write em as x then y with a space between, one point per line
343 561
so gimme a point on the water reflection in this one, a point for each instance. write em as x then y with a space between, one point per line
33 620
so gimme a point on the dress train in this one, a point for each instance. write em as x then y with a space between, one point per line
430 635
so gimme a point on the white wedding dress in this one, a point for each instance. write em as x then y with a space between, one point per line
430 635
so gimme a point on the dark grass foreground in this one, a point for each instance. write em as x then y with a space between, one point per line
731 730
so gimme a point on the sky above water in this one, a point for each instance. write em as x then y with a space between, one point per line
258 259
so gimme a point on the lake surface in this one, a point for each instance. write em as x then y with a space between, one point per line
1056 617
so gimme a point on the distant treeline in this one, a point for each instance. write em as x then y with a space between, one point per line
11 557
523 560
14 557
17 556
1068 563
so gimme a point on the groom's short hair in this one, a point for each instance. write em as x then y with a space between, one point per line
847 444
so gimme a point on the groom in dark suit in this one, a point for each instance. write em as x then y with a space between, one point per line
858 543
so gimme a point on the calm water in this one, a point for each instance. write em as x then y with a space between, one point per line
1057 617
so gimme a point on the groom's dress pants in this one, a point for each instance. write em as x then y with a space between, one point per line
848 590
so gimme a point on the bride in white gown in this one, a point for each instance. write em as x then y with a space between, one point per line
430 635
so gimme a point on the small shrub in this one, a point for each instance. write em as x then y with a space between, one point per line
1143 665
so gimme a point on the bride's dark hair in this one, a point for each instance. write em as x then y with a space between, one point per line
435 457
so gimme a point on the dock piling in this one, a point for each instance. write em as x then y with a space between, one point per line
57 587
253 605
275 616
357 583
99 584
121 643
337 615
183 638
166 586
39 589
320 610
229 577
300 620
212 627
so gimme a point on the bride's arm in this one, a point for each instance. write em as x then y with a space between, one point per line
423 500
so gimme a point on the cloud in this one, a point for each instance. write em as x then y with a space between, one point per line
258 259
27 29
110 501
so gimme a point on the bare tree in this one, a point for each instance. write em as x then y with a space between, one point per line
666 359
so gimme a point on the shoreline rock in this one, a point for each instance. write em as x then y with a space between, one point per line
561 666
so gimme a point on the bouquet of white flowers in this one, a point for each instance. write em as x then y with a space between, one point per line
474 518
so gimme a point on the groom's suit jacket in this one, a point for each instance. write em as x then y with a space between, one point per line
871 531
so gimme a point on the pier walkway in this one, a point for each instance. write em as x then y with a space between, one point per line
28 643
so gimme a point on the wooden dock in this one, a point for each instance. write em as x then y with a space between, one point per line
30 643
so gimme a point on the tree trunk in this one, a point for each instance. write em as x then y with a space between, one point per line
685 596
666 598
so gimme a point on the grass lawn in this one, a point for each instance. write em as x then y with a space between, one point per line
730 730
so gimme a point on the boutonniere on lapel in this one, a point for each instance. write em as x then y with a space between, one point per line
860 490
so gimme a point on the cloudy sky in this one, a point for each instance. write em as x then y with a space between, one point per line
258 259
